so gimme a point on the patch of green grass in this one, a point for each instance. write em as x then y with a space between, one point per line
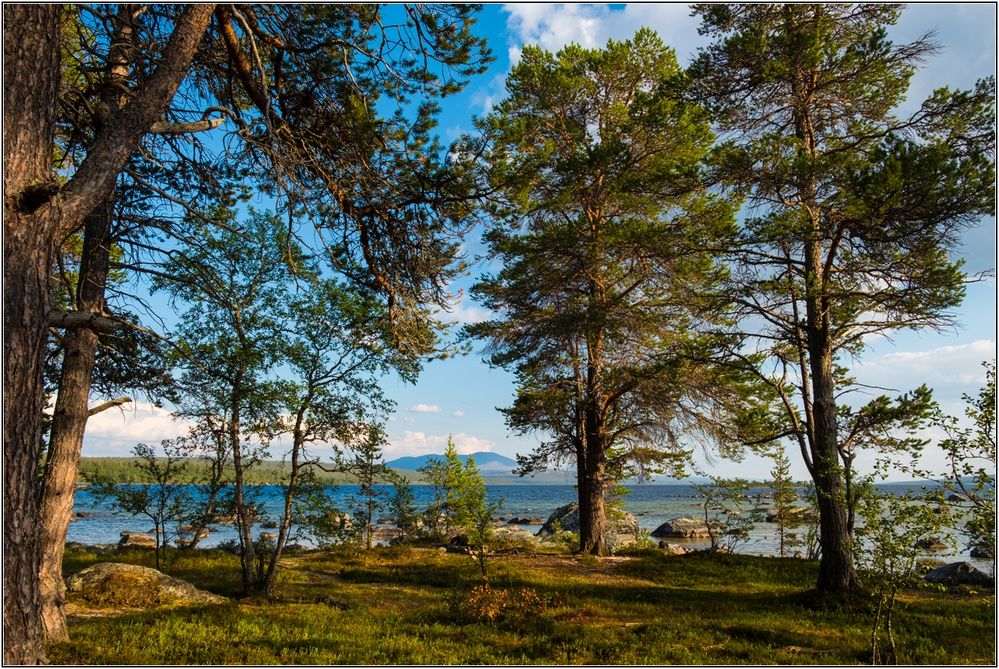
405 607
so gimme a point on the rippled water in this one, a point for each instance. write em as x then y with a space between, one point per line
651 504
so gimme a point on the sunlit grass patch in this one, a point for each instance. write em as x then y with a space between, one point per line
405 606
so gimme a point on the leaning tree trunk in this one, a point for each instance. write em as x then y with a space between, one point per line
38 212
31 83
69 420
298 441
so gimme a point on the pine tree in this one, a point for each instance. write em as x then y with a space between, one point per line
368 466
784 499
603 222
855 211
402 506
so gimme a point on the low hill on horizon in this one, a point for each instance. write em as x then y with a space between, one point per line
486 461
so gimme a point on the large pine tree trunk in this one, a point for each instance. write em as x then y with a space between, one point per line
31 81
836 570
37 213
69 421
592 514
26 267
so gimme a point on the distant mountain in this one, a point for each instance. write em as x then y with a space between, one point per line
484 460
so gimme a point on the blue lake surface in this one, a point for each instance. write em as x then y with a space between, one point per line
651 504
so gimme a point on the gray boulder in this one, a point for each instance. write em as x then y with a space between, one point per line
622 527
983 552
136 540
960 573
796 515
674 549
506 534
686 528
114 584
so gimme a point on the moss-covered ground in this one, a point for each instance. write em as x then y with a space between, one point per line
420 606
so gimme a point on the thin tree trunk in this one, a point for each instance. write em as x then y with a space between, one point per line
874 631
69 421
888 625
243 520
270 581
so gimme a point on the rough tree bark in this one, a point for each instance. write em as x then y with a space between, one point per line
37 214
836 570
592 514
593 482
31 83
69 421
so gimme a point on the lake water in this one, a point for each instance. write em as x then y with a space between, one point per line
651 504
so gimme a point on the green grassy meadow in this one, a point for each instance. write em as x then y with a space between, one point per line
407 605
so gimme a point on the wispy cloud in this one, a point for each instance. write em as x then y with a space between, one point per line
116 431
949 370
424 408
419 443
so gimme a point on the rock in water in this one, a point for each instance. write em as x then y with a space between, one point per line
960 573
983 552
931 544
114 584
688 528
137 540
622 527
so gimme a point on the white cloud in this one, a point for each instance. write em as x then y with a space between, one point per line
116 431
487 95
419 443
424 408
458 413
466 313
553 26
949 370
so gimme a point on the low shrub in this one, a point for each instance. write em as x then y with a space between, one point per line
521 608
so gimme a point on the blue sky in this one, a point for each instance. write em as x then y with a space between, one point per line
459 396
